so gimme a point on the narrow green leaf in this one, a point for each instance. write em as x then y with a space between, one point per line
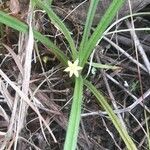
147 129
98 33
22 27
49 2
103 66
88 24
13 22
122 131
59 24
75 115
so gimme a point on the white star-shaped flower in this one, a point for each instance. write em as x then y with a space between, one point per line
73 68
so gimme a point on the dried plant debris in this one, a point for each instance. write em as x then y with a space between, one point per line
78 11
50 89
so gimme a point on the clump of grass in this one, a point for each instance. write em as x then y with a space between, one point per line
82 53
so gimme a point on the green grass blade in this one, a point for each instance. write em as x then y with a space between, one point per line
59 24
122 131
88 24
74 119
103 66
98 33
49 2
22 27
13 22
147 129
53 48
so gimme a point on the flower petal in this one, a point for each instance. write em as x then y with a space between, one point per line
76 73
78 68
67 69
69 63
71 73
73 68
76 62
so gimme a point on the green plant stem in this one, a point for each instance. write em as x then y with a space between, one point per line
75 115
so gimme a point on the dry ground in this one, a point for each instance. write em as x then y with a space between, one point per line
52 88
